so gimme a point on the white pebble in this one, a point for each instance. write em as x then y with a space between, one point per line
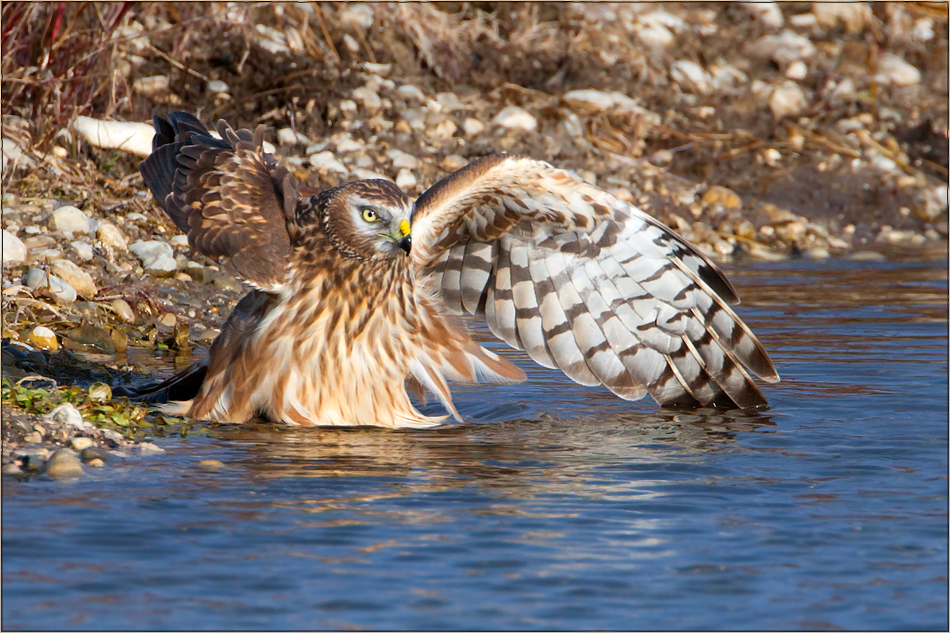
286 136
217 86
472 127
83 250
14 250
768 13
409 91
68 414
326 161
156 256
62 291
784 48
891 69
515 118
405 179
402 160
368 97
787 100
69 220
356 17
689 73
797 70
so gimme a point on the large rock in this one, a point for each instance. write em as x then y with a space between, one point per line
14 250
75 277
63 464
69 220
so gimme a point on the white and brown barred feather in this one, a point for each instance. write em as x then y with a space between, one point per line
586 283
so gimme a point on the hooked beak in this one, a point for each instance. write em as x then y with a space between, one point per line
405 241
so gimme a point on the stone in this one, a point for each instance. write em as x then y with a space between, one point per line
787 100
768 13
402 160
217 86
211 464
326 161
61 291
63 464
368 98
179 241
454 162
14 250
783 49
13 156
156 256
112 237
147 448
33 438
718 196
356 17
891 69
690 74
113 436
75 277
151 86
79 444
797 70
92 453
853 15
94 336
444 130
408 91
69 220
515 118
69 415
653 34
96 463
124 311
83 251
12 469
472 127
406 179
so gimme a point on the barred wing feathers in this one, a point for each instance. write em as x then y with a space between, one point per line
230 198
586 283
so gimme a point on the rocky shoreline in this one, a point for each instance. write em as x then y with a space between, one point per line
757 131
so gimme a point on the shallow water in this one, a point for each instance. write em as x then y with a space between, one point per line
555 507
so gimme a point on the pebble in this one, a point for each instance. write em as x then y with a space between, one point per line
156 256
472 127
690 74
368 98
113 436
653 34
168 319
12 469
111 236
787 100
356 17
797 70
63 464
515 118
75 276
402 160
147 448
62 291
217 86
408 91
783 49
96 463
406 179
33 438
14 250
69 220
454 162
80 444
180 241
326 161
891 69
768 13
94 336
445 130
93 453
854 15
866 256
722 197
288 136
68 414
124 311
151 86
211 464
83 250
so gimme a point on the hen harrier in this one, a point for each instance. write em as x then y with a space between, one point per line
357 288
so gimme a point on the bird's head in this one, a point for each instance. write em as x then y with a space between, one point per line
367 218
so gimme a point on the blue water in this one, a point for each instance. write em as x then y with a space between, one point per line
555 507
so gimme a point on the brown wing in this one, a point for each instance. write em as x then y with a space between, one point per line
587 283
232 199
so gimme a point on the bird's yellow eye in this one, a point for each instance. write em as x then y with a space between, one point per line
370 216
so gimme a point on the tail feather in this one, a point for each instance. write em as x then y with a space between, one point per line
183 386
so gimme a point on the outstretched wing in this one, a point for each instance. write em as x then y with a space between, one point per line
587 283
230 198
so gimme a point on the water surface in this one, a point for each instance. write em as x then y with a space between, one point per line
555 507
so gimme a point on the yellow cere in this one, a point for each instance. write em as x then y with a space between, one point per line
404 228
